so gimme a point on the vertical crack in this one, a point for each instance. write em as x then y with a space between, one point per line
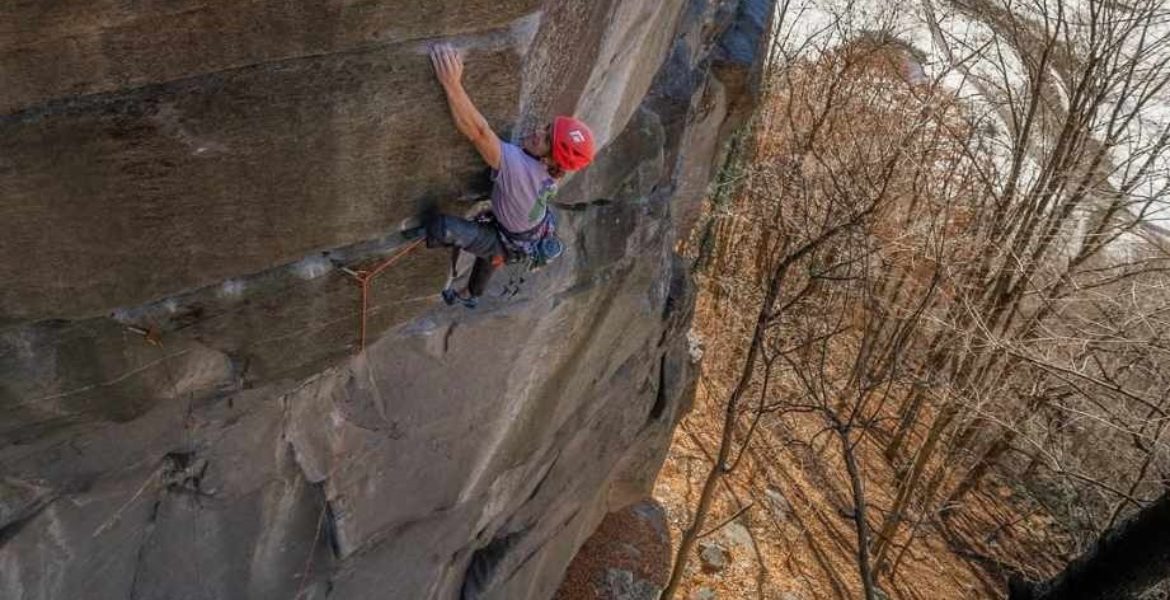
147 536
330 524
660 399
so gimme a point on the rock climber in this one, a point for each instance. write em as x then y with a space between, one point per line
520 225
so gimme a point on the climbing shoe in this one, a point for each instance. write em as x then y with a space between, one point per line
452 297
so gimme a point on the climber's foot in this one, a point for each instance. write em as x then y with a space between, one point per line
452 297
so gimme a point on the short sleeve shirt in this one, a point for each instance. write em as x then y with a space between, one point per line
522 190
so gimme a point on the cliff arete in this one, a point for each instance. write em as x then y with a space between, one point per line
185 409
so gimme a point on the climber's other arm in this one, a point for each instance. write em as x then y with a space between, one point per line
449 70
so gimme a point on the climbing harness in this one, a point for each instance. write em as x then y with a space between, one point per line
546 251
536 247
365 277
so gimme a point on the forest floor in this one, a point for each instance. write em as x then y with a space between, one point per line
793 497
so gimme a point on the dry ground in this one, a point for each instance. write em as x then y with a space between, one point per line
791 489
797 499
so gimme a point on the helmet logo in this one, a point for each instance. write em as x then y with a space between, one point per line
577 135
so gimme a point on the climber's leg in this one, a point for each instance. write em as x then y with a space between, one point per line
479 239
481 274
450 294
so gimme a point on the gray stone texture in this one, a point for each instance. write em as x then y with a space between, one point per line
230 173
184 409
736 535
106 45
702 594
714 557
621 584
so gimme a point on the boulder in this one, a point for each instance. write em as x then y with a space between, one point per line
714 557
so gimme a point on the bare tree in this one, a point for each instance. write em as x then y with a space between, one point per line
964 272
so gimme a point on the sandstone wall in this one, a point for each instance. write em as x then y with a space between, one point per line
194 170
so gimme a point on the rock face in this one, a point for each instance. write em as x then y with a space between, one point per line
185 410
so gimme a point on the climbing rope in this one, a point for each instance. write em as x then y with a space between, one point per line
365 277
307 568
152 335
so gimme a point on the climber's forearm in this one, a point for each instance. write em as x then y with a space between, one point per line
471 123
467 117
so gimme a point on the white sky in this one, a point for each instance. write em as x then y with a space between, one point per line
981 66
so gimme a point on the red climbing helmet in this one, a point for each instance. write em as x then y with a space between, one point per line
572 144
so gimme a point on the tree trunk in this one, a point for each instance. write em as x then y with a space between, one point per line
997 449
1123 563
857 485
909 483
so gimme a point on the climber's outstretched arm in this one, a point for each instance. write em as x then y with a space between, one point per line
449 70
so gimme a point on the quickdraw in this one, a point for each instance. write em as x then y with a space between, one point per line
365 276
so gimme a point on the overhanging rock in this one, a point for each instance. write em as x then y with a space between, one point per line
184 412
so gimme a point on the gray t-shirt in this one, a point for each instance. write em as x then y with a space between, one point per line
522 190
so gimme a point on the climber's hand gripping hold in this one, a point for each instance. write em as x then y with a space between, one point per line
448 67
